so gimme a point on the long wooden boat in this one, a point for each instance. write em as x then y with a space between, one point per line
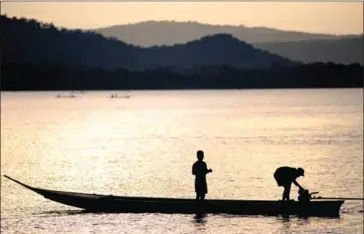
123 204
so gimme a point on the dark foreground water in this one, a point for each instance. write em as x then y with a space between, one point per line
145 146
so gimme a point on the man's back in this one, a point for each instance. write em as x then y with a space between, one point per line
288 173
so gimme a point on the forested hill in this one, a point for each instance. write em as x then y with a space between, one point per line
150 33
344 51
56 77
29 41
38 56
297 46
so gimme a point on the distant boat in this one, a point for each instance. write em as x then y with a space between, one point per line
117 96
66 96
122 204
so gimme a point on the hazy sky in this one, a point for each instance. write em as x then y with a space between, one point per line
322 17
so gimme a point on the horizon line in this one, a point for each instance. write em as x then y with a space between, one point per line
181 22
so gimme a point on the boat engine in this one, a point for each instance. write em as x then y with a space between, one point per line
304 195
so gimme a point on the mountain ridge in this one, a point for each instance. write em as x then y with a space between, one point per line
344 51
200 29
29 41
295 45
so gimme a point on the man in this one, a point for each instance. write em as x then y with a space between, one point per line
199 169
285 176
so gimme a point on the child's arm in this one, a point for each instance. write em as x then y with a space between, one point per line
207 171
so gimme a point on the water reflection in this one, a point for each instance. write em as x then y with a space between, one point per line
200 218
147 149
52 213
286 222
284 218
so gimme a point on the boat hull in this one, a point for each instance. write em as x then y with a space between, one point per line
115 204
120 204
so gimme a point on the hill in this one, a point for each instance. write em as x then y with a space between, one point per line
150 33
297 46
38 56
27 41
57 77
344 51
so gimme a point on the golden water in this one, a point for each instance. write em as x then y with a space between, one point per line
145 146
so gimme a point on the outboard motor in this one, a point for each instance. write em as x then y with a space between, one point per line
304 195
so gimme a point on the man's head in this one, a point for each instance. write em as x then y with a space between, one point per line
300 172
200 155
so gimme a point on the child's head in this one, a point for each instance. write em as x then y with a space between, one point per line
200 155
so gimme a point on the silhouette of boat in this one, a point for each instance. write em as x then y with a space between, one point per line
122 204
66 96
117 96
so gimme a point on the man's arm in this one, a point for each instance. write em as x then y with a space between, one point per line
193 169
297 184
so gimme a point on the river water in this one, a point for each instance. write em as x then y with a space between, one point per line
145 145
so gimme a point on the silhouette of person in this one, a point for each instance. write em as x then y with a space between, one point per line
199 169
285 176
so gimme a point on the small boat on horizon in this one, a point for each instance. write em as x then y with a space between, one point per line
124 204
65 96
117 96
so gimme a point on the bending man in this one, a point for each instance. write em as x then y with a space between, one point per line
285 176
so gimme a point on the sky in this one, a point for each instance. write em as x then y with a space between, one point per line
315 17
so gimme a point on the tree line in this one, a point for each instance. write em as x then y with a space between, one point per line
58 77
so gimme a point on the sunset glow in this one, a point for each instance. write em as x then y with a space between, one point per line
318 17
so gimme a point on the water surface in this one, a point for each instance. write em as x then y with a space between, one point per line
145 146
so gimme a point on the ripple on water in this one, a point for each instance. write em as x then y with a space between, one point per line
145 146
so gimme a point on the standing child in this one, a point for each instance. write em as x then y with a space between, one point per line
199 169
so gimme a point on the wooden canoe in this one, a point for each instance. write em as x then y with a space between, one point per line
124 204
